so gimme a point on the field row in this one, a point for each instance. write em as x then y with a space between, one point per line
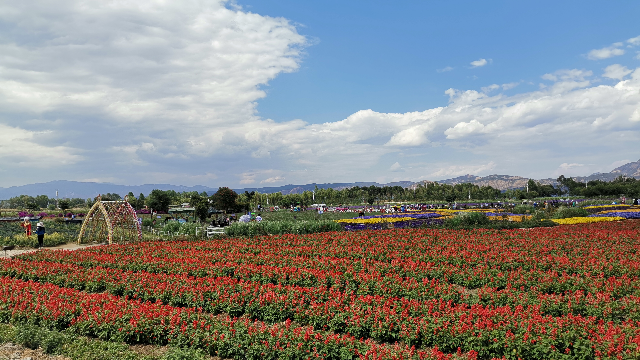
132 321
606 249
499 332
260 262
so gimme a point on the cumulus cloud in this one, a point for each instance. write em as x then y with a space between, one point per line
606 52
166 92
634 41
463 129
616 71
479 62
396 167
444 69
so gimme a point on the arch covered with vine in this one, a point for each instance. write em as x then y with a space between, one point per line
111 222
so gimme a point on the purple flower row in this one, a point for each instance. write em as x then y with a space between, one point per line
502 213
624 214
415 216
397 225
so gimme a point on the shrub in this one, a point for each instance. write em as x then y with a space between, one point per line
523 209
467 219
569 212
281 227
22 240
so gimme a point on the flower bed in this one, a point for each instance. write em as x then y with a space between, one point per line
560 292
586 220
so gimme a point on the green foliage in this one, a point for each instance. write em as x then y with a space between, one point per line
175 227
564 212
281 227
478 220
183 354
225 199
466 219
72 346
159 200
21 240
201 206
64 204
523 209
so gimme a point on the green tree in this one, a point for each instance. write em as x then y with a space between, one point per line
159 200
201 206
64 204
141 201
225 199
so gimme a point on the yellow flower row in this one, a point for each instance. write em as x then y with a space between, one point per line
605 206
623 210
585 220
374 220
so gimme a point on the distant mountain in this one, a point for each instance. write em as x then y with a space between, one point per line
505 182
84 190
630 169
501 182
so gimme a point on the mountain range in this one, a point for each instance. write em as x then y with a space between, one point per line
76 189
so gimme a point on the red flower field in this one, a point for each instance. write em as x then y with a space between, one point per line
546 293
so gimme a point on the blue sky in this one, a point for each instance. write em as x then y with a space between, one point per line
266 93
384 55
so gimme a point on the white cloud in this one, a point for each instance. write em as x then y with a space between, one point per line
490 88
480 62
510 86
162 90
463 129
444 69
396 167
568 74
634 41
616 71
606 52
566 166
25 148
271 180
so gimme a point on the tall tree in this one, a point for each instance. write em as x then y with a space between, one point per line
159 200
225 199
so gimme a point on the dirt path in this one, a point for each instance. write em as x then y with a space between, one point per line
69 246
11 351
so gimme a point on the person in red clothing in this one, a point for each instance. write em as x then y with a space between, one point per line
27 226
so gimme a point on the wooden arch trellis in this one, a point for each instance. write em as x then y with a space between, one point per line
110 222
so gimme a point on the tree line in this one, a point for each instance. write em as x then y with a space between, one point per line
228 200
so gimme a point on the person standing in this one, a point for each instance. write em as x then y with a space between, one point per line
27 226
40 230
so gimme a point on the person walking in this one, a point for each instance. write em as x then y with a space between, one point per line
40 230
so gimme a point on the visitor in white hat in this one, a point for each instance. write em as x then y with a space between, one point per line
40 232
